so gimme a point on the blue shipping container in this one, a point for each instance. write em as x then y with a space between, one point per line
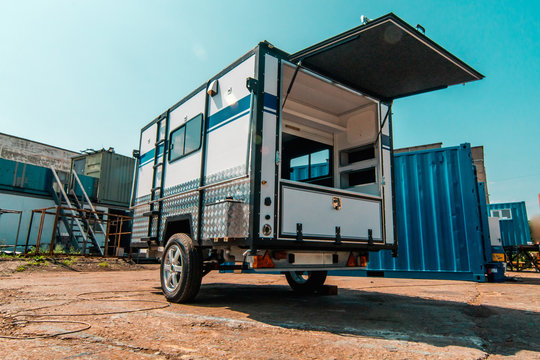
439 220
26 178
513 222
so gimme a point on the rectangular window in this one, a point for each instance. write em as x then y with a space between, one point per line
186 139
503 214
310 166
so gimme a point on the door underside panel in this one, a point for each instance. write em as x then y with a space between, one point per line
386 58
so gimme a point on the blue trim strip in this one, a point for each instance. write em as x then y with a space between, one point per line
228 121
270 101
149 156
228 112
224 117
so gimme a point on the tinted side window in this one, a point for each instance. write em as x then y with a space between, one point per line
186 139
176 149
193 134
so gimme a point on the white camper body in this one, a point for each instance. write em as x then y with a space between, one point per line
284 162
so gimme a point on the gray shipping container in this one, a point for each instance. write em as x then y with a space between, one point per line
114 173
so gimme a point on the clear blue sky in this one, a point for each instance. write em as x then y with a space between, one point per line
90 74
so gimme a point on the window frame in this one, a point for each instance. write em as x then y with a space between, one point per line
310 178
184 126
500 213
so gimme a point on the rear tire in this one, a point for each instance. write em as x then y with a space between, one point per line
306 282
181 269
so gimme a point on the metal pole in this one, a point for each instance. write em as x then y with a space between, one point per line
107 234
17 237
40 231
119 235
53 236
29 230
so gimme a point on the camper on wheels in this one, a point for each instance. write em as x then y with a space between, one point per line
283 163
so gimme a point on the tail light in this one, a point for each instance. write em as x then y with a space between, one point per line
352 260
260 261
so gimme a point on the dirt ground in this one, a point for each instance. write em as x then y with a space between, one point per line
123 315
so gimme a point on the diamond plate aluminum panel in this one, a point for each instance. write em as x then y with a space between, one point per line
140 222
227 218
219 219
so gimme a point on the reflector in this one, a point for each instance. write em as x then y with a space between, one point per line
352 260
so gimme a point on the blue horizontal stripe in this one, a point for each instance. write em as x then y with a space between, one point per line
228 121
229 112
149 156
223 117
270 101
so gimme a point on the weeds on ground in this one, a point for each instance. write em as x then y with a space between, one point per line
20 268
38 260
9 256
67 262
104 264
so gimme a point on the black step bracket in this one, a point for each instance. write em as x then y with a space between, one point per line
158 165
150 239
299 234
151 213
370 236
156 188
338 235
291 258
162 141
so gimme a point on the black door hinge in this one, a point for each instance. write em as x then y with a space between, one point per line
252 84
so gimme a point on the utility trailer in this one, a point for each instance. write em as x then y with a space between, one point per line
284 162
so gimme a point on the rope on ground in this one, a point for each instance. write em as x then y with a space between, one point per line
25 314
86 326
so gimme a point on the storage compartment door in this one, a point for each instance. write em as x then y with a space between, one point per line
386 58
319 212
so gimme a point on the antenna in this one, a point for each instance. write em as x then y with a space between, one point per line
421 28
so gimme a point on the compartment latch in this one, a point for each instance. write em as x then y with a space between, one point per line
336 203
299 235
338 235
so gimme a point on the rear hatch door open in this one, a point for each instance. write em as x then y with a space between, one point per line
387 59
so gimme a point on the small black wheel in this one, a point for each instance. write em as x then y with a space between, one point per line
181 269
306 282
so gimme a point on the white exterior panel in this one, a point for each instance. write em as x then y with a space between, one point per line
313 209
268 150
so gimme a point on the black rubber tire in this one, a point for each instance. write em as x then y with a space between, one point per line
315 281
189 282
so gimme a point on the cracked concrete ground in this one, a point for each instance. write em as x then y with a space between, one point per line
258 317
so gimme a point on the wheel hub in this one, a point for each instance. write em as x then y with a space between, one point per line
172 268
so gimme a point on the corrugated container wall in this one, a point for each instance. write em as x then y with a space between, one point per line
115 174
513 222
438 217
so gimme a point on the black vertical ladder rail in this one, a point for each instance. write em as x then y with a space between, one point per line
156 193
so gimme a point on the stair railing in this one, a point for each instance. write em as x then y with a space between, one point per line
89 203
70 205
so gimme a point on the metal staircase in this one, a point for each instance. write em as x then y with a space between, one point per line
83 225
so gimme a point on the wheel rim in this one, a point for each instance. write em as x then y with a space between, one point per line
300 277
172 268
